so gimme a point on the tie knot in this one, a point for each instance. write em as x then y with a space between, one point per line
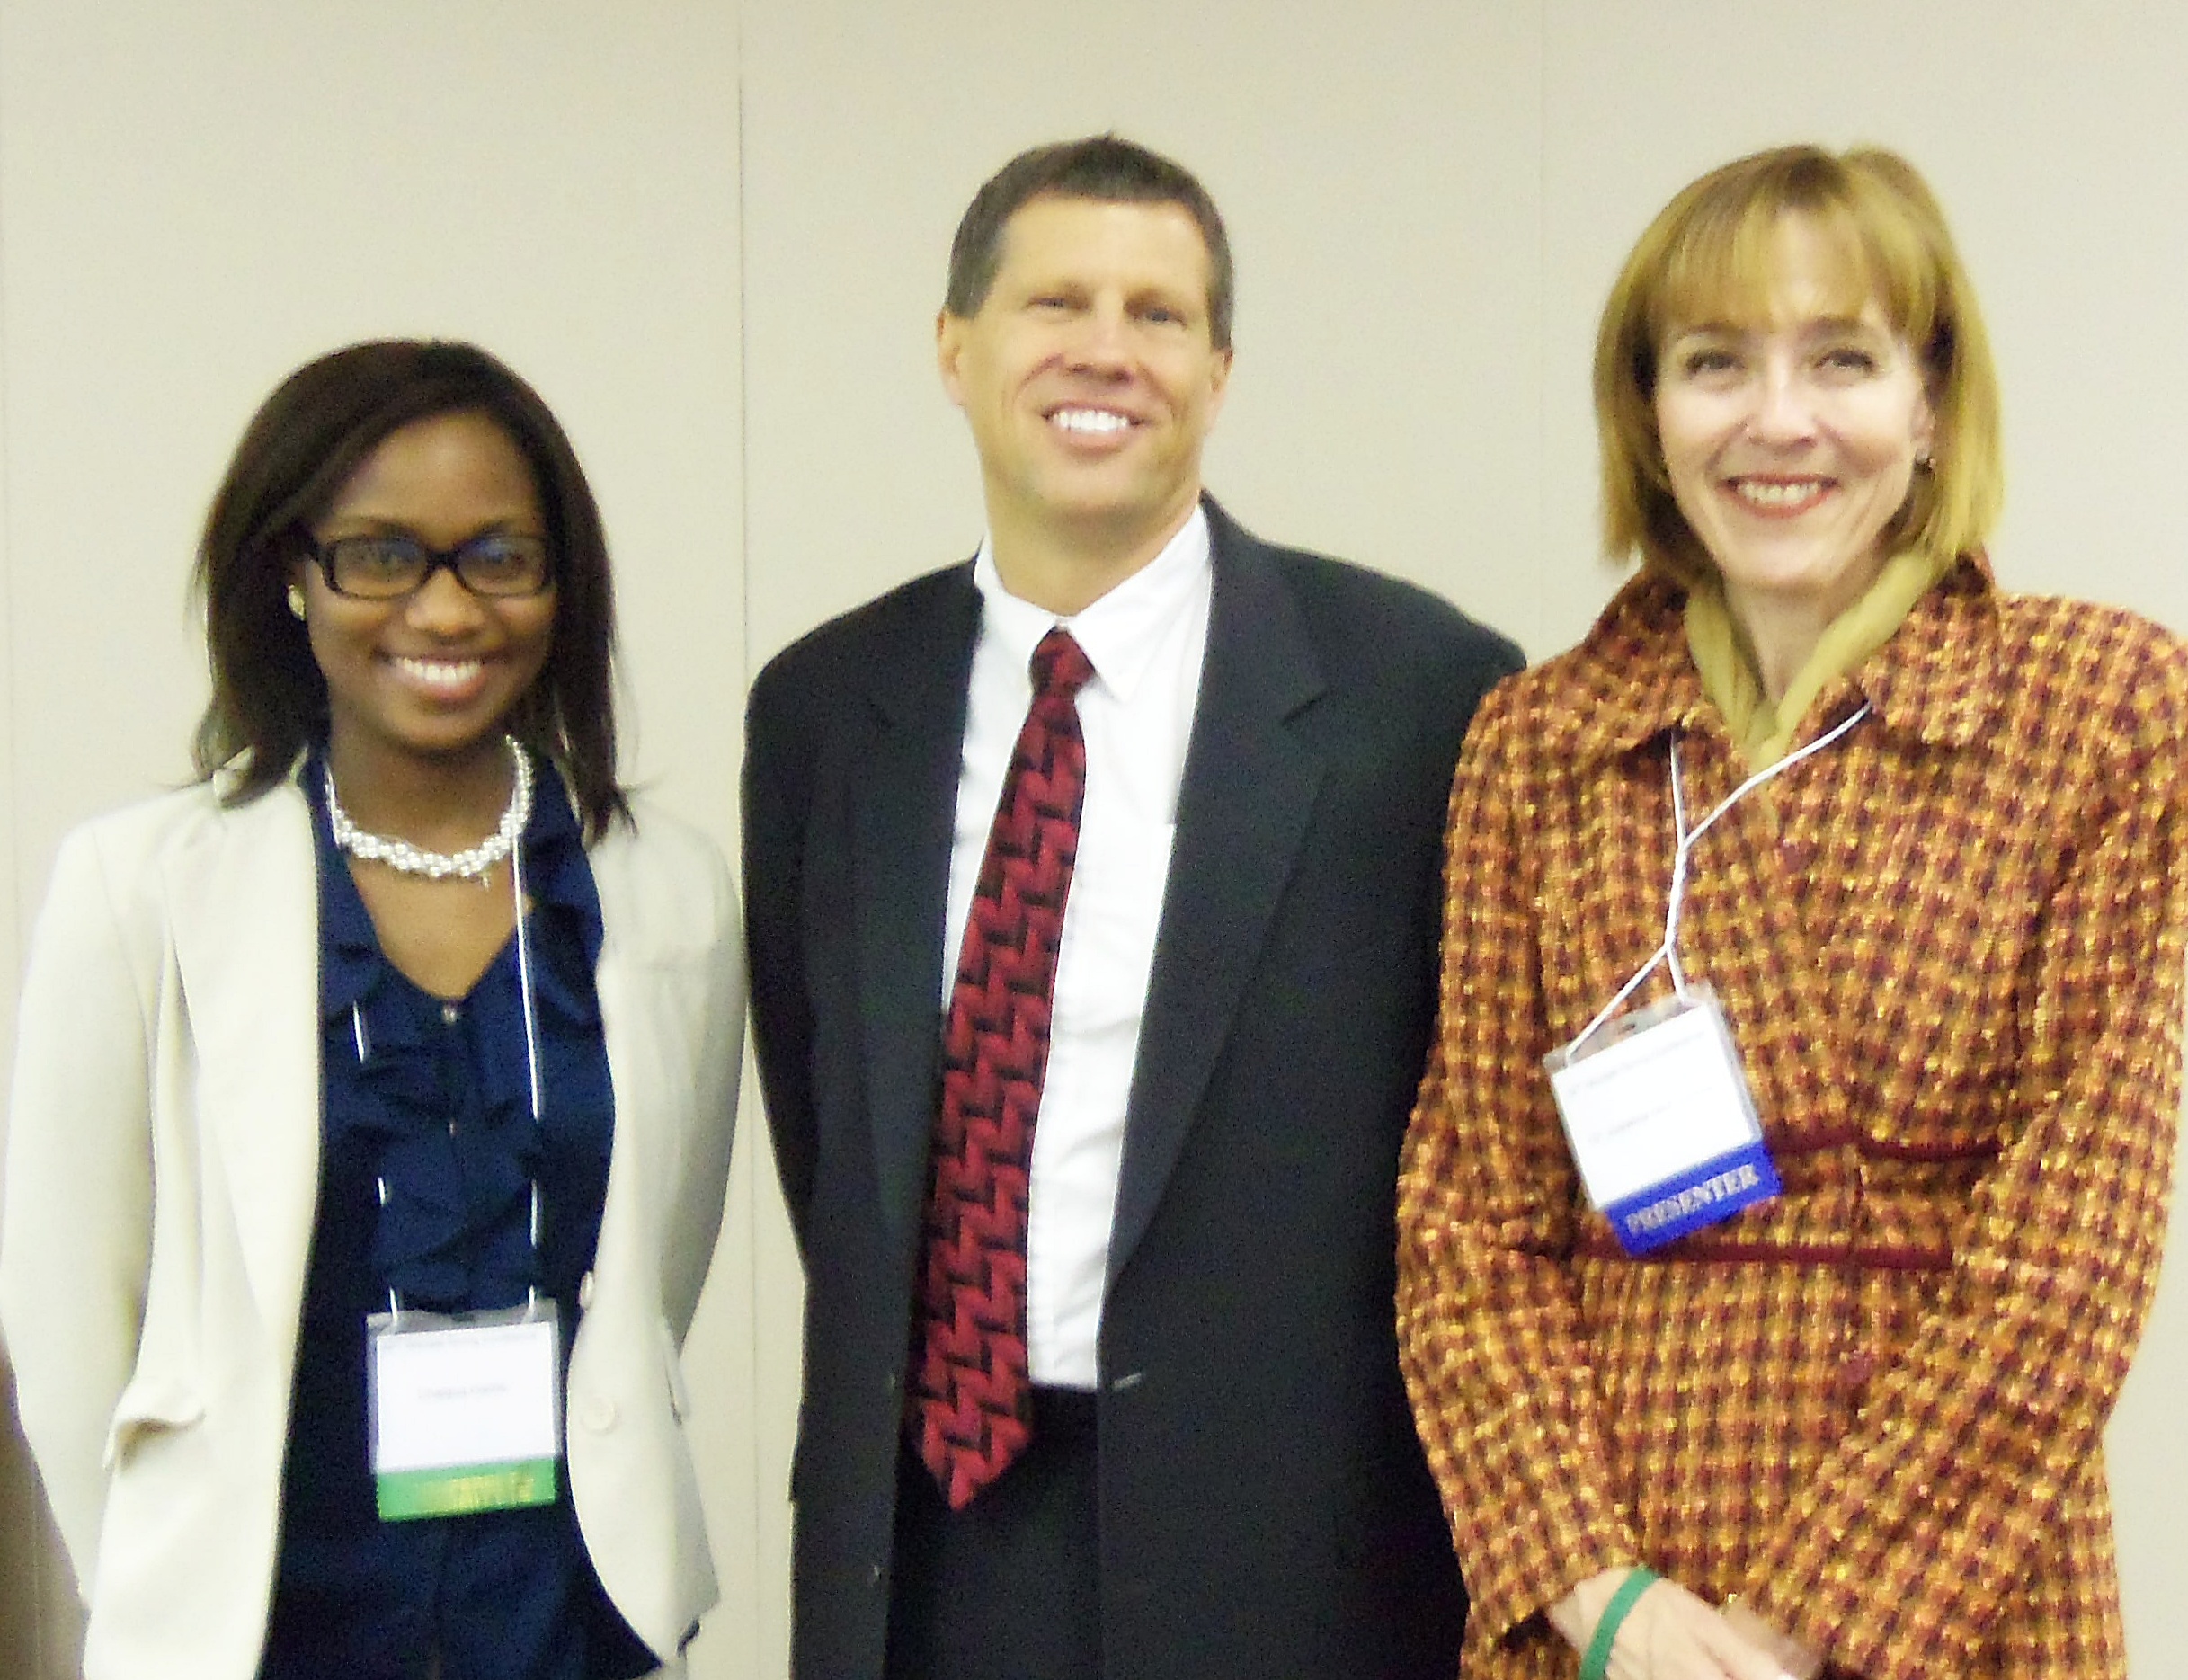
1060 665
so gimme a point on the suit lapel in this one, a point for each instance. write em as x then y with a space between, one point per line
1248 789
246 910
905 807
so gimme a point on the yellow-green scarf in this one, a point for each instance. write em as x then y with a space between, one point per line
1763 732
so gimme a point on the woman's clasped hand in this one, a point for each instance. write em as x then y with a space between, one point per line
1662 1631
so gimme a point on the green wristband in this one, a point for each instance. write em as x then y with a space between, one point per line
1596 1664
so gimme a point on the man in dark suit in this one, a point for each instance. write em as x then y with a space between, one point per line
1092 892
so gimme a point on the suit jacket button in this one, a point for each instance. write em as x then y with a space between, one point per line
584 1291
872 1575
597 1412
888 1382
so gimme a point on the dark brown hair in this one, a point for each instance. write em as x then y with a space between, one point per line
1100 167
269 698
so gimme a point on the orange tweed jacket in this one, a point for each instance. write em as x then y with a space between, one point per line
1950 949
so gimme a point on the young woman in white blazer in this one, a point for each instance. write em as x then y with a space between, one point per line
402 1019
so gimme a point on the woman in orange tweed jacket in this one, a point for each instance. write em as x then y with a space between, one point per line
1856 1425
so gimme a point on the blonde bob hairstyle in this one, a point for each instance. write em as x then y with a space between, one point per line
1710 255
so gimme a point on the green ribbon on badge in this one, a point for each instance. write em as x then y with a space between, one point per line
462 1490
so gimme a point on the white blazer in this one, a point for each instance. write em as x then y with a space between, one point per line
163 1175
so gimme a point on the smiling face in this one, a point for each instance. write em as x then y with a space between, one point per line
1791 439
1088 376
432 674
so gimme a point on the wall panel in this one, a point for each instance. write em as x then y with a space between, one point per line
1377 170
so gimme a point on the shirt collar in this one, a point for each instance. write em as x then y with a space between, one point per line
1932 680
1120 631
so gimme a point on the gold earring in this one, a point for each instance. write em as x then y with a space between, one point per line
295 600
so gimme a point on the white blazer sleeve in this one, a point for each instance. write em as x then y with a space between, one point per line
76 1231
695 1221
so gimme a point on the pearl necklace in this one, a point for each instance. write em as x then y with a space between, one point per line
406 858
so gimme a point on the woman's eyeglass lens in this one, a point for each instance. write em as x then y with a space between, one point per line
386 567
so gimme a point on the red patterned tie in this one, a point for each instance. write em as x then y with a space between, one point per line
971 1412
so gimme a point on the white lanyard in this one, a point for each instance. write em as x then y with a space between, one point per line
534 1086
1682 858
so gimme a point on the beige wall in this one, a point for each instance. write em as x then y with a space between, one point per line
714 236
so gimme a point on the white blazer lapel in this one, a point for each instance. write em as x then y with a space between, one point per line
245 912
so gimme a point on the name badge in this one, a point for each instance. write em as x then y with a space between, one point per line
465 1410
1661 1123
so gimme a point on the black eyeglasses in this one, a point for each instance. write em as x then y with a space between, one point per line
388 567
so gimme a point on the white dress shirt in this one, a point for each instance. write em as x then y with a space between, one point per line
1146 639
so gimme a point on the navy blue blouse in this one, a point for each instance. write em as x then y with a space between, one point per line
432 1095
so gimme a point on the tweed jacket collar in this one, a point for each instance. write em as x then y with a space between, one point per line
1933 682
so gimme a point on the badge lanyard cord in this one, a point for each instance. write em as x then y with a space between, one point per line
534 1087
1666 955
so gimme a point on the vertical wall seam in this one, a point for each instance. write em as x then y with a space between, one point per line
744 448
1542 317
8 768
21 1521
744 635
749 1115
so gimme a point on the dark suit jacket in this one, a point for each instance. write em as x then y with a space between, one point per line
1265 1511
